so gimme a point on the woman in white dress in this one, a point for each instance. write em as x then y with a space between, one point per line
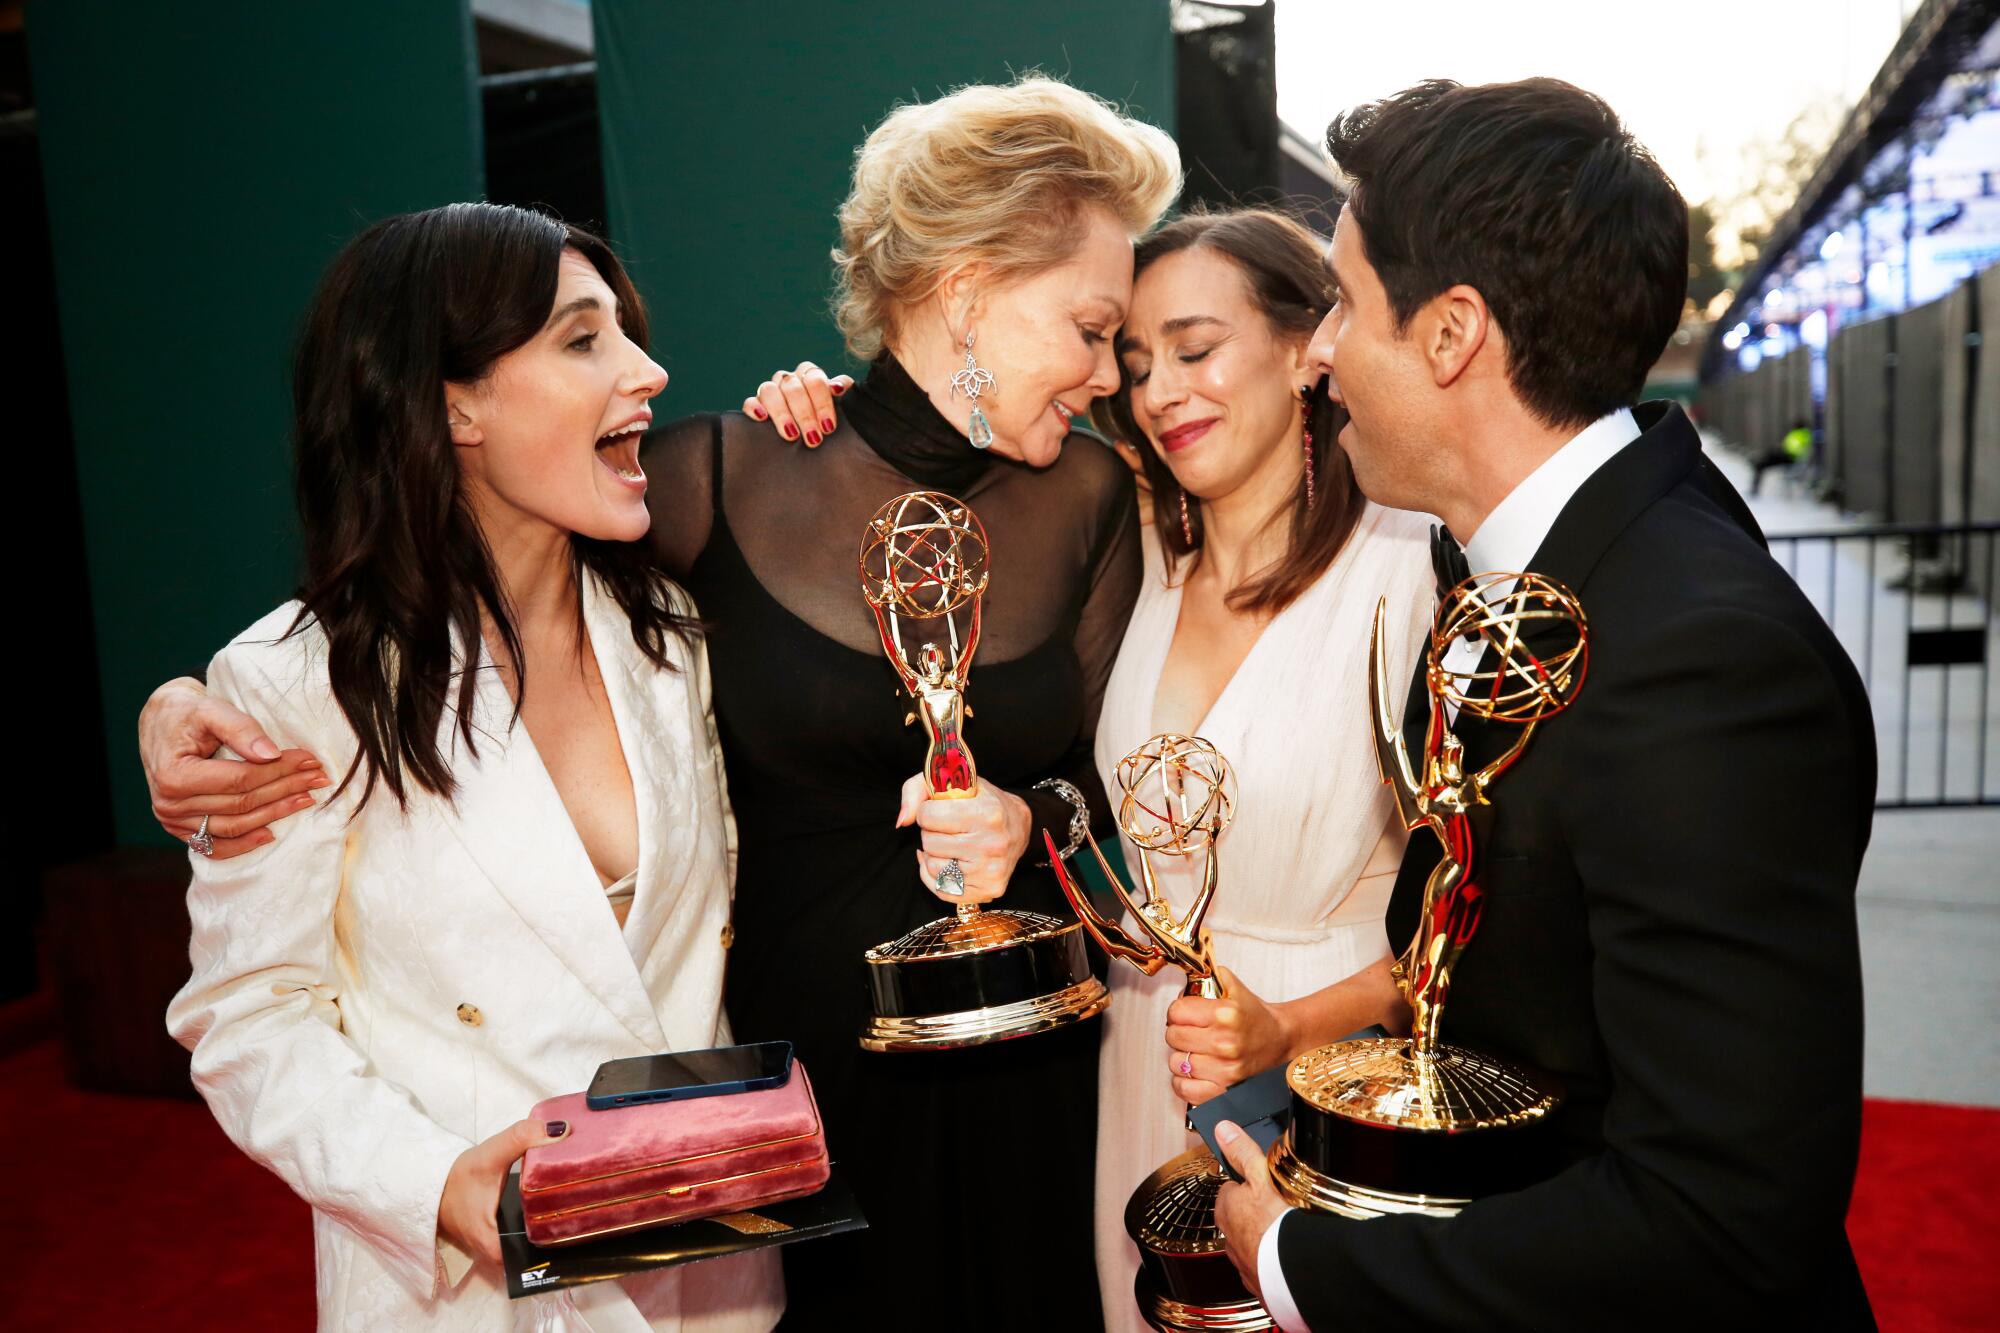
1263 568
525 867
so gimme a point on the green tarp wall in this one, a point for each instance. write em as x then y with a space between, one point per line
203 164
729 132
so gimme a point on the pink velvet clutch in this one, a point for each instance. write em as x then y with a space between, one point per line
661 1162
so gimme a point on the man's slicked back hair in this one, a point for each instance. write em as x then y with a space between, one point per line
1534 194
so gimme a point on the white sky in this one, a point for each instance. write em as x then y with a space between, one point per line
1724 71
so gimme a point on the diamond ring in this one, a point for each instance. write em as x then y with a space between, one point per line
951 880
201 844
1187 1066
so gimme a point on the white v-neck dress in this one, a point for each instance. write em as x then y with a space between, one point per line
1307 866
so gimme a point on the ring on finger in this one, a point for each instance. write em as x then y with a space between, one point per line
951 879
201 844
1187 1066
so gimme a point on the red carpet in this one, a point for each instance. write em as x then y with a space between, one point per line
1924 1221
206 1240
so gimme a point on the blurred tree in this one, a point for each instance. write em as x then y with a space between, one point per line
1706 279
1758 180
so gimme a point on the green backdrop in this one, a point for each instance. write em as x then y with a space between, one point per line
729 132
205 161
203 164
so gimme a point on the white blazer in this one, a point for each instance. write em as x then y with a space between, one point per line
374 992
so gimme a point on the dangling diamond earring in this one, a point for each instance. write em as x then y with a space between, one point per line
1305 415
1187 528
974 380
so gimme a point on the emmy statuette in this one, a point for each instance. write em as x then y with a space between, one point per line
975 976
1174 800
1387 1125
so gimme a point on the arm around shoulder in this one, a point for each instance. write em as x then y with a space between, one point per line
261 1011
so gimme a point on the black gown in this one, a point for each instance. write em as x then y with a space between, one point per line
975 1166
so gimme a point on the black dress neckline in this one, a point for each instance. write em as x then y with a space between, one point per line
897 419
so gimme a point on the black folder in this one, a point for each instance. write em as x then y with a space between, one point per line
532 1269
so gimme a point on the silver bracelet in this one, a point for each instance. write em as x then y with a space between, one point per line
1079 819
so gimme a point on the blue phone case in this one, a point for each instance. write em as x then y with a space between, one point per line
689 1092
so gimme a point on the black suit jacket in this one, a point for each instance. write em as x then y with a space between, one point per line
1669 929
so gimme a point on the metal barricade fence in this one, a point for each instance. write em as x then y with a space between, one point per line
1913 604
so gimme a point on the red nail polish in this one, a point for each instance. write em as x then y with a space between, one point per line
758 413
812 437
826 424
839 389
791 431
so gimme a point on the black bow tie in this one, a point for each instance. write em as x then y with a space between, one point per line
1447 561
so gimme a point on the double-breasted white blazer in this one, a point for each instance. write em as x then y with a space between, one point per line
375 991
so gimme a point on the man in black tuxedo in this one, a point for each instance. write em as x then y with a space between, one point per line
1669 869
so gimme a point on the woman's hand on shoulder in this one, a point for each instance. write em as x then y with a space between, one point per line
985 833
181 728
471 1195
799 403
1212 1044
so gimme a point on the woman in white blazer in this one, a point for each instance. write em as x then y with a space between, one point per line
383 989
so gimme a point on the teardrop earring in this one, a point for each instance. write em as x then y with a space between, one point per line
973 381
1187 528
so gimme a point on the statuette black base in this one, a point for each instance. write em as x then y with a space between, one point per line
976 978
1379 1127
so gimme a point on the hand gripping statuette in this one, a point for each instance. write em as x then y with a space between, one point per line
1175 800
975 976
1409 1124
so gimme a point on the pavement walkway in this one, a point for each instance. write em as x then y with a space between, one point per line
1929 899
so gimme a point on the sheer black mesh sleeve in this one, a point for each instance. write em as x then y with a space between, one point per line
679 460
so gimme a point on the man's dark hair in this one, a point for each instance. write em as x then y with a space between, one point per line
1534 194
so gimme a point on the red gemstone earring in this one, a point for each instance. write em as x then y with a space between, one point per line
1305 415
1187 528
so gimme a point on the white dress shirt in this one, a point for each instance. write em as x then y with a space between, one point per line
1505 542
1520 523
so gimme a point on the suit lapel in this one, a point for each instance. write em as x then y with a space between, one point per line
1667 452
511 820
680 916
652 729
1637 476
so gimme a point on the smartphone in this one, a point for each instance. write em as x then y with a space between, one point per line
682 1075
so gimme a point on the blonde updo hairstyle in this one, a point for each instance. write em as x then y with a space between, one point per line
993 174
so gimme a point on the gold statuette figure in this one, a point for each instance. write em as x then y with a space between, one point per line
976 976
1174 799
1395 1124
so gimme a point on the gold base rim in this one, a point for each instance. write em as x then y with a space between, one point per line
1192 1173
1303 1186
1172 1316
1401 1089
1007 928
978 1027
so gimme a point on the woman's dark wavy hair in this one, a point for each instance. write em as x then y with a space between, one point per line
1291 287
397 572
